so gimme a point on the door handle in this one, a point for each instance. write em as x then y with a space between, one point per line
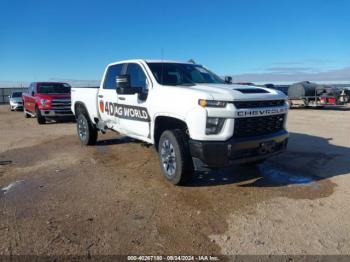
100 96
121 98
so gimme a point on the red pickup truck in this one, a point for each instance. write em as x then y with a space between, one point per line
47 100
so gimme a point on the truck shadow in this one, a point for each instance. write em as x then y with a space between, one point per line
335 108
326 108
116 141
307 160
64 120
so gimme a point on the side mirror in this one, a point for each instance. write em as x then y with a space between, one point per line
9 97
123 85
228 79
33 93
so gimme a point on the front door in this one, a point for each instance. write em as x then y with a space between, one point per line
134 118
108 97
30 98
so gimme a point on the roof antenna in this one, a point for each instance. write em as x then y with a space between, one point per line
192 61
162 57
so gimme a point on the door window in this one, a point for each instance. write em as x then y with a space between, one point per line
111 75
32 89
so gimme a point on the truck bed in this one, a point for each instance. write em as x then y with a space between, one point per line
87 96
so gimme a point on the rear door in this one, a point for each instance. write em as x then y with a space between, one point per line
25 98
132 109
108 97
30 98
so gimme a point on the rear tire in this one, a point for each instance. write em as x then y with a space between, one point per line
87 132
41 120
174 156
26 115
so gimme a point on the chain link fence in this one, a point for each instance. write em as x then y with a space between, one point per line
6 91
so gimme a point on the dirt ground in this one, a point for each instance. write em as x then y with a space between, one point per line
60 198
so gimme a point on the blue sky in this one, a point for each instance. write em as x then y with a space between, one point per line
251 39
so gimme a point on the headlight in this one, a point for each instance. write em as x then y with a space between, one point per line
44 101
211 103
286 102
214 125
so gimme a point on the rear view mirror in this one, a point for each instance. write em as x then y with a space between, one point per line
228 79
123 85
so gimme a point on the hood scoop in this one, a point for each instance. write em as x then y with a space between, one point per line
251 90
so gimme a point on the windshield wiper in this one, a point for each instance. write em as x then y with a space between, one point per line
180 84
186 84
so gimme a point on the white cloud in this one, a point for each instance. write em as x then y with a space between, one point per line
286 73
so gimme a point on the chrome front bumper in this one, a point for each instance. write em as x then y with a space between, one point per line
56 113
16 105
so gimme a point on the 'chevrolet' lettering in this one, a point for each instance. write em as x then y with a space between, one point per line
260 112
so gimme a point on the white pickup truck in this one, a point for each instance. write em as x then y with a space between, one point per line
188 113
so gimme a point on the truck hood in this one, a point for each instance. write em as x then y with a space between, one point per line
239 92
54 96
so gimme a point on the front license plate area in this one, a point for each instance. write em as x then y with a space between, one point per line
267 147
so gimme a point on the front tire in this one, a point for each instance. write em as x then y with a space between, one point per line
87 132
41 120
174 156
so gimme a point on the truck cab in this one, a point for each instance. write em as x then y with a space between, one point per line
45 100
191 116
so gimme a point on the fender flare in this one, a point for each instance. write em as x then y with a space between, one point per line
81 107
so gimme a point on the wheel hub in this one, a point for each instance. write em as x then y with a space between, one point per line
82 128
168 157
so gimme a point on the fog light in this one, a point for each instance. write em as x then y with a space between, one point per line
214 125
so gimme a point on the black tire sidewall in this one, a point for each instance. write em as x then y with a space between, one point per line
183 163
83 118
91 132
41 120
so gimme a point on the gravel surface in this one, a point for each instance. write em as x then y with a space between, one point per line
60 198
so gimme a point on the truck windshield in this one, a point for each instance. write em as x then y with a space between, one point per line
183 74
53 88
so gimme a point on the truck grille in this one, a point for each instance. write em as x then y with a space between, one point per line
256 104
255 126
61 105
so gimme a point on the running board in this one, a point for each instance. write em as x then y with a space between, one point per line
29 113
